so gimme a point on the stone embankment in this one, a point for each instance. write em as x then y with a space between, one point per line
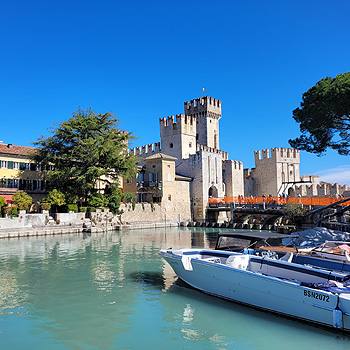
139 217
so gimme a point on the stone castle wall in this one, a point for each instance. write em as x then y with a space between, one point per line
275 172
233 178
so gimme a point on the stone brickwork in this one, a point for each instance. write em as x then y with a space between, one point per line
178 136
233 178
275 173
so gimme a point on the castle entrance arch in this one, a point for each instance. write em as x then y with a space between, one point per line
212 216
213 192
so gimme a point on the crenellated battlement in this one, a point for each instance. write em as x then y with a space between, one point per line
178 124
179 118
146 149
212 150
203 104
236 165
278 154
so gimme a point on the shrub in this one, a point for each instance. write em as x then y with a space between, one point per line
152 206
14 211
133 205
83 209
91 209
6 210
72 207
3 202
45 206
22 200
56 199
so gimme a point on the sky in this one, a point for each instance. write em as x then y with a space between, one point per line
144 59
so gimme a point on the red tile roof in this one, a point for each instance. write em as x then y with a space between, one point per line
10 149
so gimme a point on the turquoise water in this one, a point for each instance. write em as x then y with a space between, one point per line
113 291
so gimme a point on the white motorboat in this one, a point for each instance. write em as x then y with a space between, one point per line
270 281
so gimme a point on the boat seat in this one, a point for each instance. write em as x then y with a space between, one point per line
238 261
287 257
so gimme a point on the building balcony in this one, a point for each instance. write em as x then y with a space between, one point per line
150 184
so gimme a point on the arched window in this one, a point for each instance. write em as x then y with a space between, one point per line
171 145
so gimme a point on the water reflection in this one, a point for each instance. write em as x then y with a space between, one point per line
113 291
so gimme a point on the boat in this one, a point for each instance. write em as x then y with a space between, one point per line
275 245
334 250
245 270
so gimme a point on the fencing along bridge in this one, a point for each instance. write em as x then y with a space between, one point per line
266 213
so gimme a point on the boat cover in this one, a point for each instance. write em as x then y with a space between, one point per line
330 286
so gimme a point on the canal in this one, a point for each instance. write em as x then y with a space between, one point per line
113 291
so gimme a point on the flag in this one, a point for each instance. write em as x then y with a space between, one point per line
203 89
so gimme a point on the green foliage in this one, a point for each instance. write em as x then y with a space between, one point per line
152 206
45 206
97 200
22 200
324 116
114 196
128 197
3 202
83 209
55 198
85 148
295 212
72 207
6 210
71 198
114 201
91 209
133 205
14 211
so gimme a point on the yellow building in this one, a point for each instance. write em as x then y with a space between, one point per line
17 172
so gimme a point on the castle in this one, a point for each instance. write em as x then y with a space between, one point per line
187 167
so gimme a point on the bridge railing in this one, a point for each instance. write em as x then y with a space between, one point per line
275 200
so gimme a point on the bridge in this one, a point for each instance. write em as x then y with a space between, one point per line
266 212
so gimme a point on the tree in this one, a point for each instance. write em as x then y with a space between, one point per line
295 212
97 200
114 195
22 200
55 198
3 203
324 116
84 149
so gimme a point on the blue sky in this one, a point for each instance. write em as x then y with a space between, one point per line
144 59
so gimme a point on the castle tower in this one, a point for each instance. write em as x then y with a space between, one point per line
178 136
207 111
276 173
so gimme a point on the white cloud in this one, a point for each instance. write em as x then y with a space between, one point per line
340 175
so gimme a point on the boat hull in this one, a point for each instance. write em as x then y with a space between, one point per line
264 292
